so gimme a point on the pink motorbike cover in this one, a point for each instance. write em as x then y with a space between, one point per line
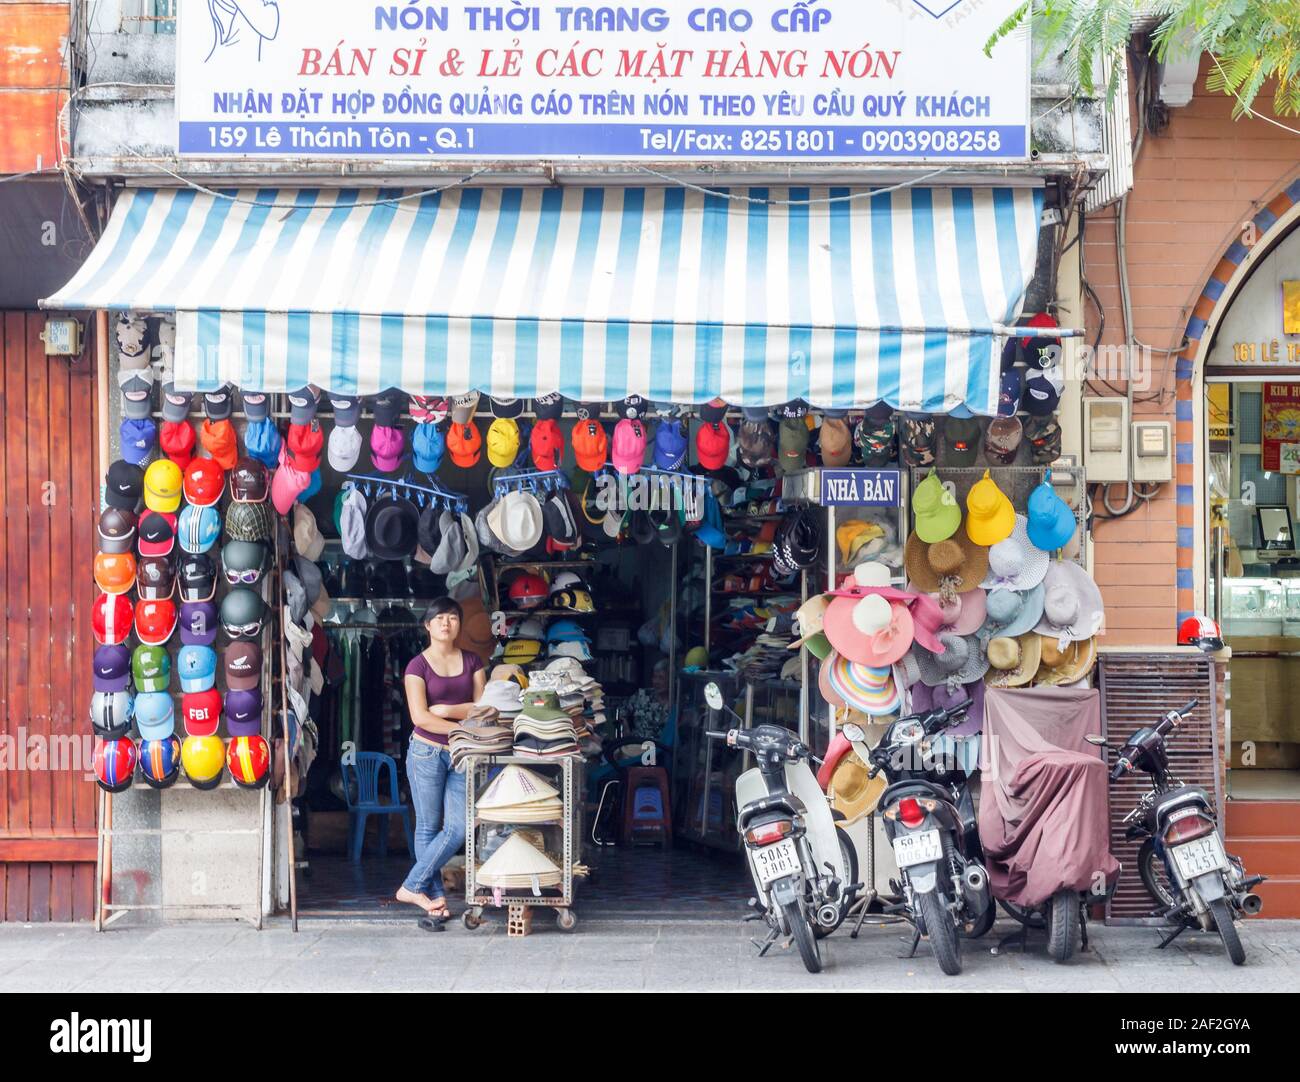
1043 814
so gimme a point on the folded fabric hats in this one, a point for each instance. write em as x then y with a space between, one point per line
990 517
1015 563
1051 522
963 660
505 696
1072 605
1012 612
1013 662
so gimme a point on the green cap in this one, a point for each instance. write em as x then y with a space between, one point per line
937 512
152 668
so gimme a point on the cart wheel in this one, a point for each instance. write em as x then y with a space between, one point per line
472 918
566 919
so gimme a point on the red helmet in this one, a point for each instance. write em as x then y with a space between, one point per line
204 482
528 591
1201 631
112 616
155 621
115 763
248 759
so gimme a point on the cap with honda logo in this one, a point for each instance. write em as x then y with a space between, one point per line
243 663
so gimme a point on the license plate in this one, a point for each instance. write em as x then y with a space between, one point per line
920 848
775 861
1199 857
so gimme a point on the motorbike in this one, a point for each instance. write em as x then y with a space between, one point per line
1182 861
929 819
802 864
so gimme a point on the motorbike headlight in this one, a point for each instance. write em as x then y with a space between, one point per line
906 732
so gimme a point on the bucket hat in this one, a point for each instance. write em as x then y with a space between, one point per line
451 548
1069 665
951 566
1072 605
868 688
392 525
990 518
963 660
1013 662
1012 612
935 509
871 630
1051 522
1016 564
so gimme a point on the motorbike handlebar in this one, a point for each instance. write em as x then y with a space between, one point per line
715 736
1121 768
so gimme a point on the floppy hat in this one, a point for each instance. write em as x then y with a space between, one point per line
1013 662
954 565
1072 605
824 686
869 578
871 630
856 791
1016 564
868 688
1051 522
961 614
810 621
1069 665
935 510
1011 613
990 518
963 660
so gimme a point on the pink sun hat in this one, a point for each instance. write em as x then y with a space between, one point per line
869 578
870 630
829 694
964 614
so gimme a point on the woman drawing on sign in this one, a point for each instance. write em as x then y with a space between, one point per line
243 25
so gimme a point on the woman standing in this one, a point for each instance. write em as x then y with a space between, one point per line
442 685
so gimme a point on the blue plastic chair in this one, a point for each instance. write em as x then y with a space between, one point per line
361 785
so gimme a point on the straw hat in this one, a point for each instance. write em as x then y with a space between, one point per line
868 688
1012 612
1013 662
948 567
1066 666
869 630
517 795
1016 563
855 792
962 661
518 864
810 619
1072 606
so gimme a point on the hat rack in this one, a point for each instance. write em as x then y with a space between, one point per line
534 481
377 485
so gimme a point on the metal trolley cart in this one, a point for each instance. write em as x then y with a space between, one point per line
566 775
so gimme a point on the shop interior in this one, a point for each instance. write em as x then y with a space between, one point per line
1253 477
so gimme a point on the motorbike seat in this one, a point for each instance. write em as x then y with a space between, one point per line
1185 795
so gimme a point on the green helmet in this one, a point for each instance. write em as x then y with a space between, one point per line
152 668
250 522
243 610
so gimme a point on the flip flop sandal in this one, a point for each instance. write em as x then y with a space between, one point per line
434 924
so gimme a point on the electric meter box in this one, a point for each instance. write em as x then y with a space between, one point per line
1106 439
1153 452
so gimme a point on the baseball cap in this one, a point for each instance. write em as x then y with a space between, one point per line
257 406
197 667
465 443
112 667
1040 397
111 617
116 530
305 445
549 407
262 441
199 623
876 436
389 406
1009 393
1043 434
201 711
302 405
177 440
547 444
244 712
756 441
714 411
713 444
917 439
124 485
670 444
506 409
156 533
961 441
836 442
345 448
136 385
792 442
219 440
1002 440
629 445
155 715
386 447
590 445
152 668
219 404
175 404
347 410
503 441
463 407
138 436
243 665
428 409
162 486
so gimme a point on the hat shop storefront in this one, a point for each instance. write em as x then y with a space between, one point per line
647 438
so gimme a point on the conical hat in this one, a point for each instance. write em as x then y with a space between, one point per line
515 786
516 862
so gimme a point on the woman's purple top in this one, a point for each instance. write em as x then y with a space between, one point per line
445 690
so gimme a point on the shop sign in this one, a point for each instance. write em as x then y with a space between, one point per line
776 80
860 488
1281 422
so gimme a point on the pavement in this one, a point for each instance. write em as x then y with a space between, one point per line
607 955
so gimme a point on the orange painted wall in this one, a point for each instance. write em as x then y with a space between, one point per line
33 83
1196 185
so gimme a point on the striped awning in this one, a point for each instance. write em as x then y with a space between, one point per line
755 295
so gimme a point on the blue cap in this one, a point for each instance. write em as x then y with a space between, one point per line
1051 522
262 441
313 488
670 445
428 445
709 532
197 666
566 631
1009 394
139 438
198 528
155 715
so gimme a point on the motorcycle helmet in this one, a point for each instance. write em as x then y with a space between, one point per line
203 483
199 529
250 522
111 714
155 621
243 562
111 618
117 530
249 761
1202 632
242 614
162 486
204 761
160 762
115 764
155 578
250 482
528 591
198 578
115 572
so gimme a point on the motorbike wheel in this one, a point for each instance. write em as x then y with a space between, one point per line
942 933
1063 929
850 859
1227 927
1154 875
801 930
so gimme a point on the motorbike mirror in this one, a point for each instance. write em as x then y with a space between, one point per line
1096 741
853 733
713 695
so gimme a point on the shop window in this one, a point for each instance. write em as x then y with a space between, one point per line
1249 408
149 16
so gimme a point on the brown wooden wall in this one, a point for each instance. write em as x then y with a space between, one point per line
49 503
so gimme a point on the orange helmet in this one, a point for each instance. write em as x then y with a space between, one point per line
115 572
248 759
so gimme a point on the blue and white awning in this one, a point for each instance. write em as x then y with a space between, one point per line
594 292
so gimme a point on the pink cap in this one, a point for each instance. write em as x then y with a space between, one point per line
628 453
287 483
386 446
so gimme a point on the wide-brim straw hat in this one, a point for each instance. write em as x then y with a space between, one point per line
1066 666
1013 662
948 567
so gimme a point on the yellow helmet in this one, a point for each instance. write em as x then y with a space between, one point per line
162 486
204 760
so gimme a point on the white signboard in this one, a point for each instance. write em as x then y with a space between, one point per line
778 80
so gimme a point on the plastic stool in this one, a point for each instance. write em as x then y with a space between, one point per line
647 811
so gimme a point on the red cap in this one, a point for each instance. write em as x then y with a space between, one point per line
220 442
204 482
547 445
111 619
177 440
1042 321
712 444
201 711
305 444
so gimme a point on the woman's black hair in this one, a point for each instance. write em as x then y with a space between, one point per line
440 607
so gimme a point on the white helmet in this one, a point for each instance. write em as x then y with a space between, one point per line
566 580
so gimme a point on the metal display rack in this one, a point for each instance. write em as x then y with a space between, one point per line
477 897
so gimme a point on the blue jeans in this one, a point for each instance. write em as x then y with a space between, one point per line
438 796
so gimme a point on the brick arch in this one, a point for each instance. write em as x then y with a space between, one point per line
1273 222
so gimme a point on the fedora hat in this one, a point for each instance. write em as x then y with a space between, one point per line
1013 662
517 520
1065 666
868 688
990 518
1016 563
947 567
392 528
962 661
871 630
1011 613
1072 606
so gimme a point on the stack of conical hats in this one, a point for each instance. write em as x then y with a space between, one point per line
518 865
517 795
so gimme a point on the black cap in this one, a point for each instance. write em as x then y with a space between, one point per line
124 488
218 404
507 408
1040 397
549 407
389 407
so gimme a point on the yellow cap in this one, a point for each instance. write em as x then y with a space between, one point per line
162 486
503 442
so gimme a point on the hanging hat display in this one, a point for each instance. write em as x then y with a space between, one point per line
1072 606
948 567
1015 563
1066 666
962 661
1013 662
990 518
935 510
1052 524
